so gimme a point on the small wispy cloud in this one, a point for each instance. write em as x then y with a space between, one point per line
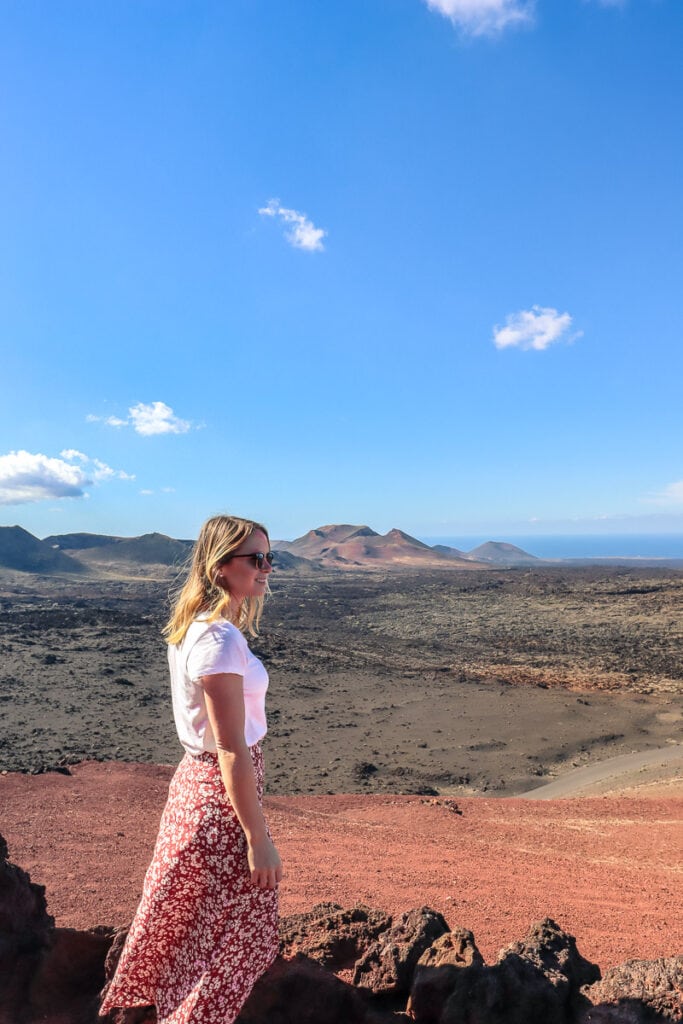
95 467
484 17
534 328
147 418
671 495
28 477
303 234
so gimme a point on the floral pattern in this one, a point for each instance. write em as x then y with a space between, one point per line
203 932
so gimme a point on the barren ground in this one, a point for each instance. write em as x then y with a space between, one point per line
607 869
443 685
407 682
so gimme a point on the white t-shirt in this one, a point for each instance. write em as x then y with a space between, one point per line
208 649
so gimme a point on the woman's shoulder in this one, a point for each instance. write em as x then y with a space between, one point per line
220 629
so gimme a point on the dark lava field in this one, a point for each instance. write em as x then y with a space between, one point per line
404 681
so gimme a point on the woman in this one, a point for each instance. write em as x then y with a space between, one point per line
206 927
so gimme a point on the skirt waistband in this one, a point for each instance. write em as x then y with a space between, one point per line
211 757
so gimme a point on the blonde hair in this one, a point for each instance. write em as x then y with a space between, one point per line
218 538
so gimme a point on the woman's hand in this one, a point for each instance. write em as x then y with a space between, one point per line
264 863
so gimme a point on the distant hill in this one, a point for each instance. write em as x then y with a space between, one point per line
96 549
500 553
286 560
317 542
340 545
79 541
21 551
346 545
448 552
149 549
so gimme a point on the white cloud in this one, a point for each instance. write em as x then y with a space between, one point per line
98 470
111 421
484 17
304 234
534 328
156 418
101 471
27 477
147 418
146 491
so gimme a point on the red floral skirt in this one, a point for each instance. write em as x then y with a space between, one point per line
203 933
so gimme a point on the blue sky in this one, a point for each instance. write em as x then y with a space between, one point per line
388 261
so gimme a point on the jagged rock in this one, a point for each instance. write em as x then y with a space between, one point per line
25 934
46 973
457 948
387 966
637 992
434 979
535 981
335 937
300 991
546 946
511 992
115 950
70 975
24 921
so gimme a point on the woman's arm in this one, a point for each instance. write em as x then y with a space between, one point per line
225 707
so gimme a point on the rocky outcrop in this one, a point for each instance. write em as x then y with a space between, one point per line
25 931
69 977
437 973
551 950
300 991
637 992
386 968
46 973
54 975
332 936
535 981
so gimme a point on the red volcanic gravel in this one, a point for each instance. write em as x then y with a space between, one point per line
607 869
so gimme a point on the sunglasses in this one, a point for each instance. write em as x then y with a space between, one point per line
258 557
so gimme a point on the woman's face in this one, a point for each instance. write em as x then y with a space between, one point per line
241 575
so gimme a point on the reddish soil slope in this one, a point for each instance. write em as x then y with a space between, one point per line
607 869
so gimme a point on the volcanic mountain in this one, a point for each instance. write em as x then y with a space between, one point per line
499 553
21 551
449 552
149 549
346 545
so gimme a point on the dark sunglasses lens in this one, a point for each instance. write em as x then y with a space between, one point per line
270 557
260 558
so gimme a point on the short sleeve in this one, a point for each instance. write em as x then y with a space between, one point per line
221 648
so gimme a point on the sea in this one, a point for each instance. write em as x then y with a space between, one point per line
625 545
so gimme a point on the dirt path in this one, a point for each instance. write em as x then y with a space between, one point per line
614 773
